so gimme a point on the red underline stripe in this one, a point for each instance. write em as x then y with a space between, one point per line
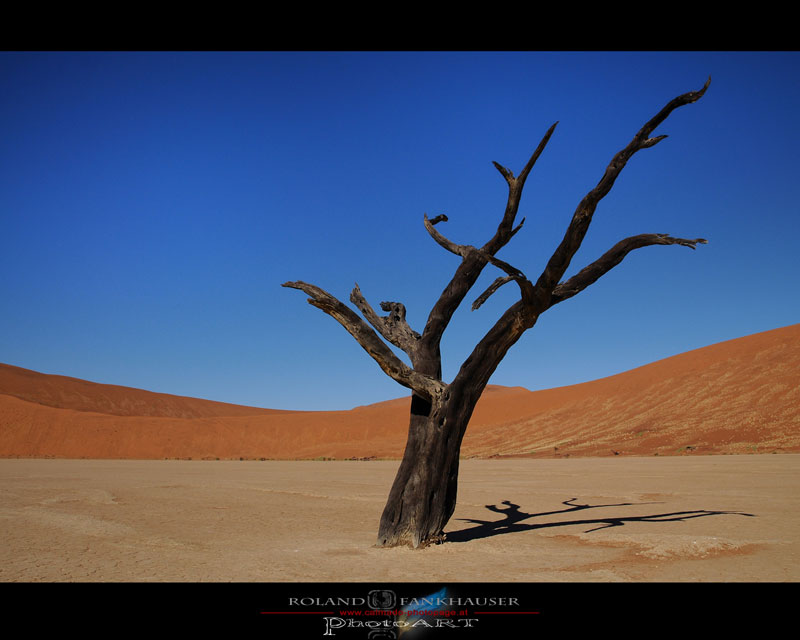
482 613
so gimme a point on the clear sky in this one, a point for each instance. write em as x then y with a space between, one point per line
151 205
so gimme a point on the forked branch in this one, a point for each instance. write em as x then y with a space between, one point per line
559 261
474 260
506 230
524 313
525 285
392 366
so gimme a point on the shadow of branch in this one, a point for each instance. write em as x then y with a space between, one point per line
513 520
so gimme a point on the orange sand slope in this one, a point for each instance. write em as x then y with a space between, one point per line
739 396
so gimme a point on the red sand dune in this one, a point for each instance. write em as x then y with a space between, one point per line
739 396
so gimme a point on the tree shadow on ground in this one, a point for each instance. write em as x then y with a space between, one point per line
512 522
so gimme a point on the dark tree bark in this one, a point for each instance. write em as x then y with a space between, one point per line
423 496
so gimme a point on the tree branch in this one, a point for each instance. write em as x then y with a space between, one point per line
392 366
499 282
451 246
559 261
393 327
521 315
475 260
515 185
476 370
525 285
611 258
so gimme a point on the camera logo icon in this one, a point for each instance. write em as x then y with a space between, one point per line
381 599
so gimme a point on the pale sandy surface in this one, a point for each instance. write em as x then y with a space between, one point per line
128 520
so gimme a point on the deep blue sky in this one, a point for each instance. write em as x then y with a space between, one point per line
152 204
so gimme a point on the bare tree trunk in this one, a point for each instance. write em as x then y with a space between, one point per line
423 496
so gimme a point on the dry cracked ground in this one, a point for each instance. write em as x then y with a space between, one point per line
693 519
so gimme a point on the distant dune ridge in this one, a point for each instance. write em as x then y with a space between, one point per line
738 396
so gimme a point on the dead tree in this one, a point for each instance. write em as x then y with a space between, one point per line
423 495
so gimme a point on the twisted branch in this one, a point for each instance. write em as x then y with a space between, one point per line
451 246
391 365
392 327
